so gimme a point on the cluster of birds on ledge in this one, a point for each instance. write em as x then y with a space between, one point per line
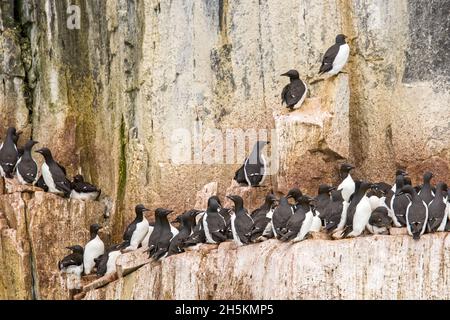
344 211
19 162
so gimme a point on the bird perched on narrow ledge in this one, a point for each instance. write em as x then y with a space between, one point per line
294 93
335 57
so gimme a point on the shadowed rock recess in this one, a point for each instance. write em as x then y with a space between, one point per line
107 97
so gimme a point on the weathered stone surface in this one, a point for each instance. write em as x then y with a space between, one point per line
101 282
129 262
311 140
36 228
253 196
209 190
373 267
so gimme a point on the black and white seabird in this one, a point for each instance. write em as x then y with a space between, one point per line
8 154
72 263
438 209
241 222
82 190
380 221
136 230
399 172
299 224
41 183
53 174
336 212
347 185
426 191
281 216
295 92
262 217
295 194
198 233
416 213
335 57
106 263
322 199
214 225
166 234
254 170
187 221
358 212
399 204
93 249
27 168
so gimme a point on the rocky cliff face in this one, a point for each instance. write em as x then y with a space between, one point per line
107 97
35 228
375 267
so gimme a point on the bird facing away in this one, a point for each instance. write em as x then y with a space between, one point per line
254 170
9 154
72 263
27 168
294 93
82 190
335 57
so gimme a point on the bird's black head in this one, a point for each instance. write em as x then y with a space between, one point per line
30 144
11 131
237 200
346 168
193 213
305 200
407 181
94 228
162 212
340 38
78 178
292 74
76 249
442 186
399 181
140 209
270 199
336 195
365 186
324 188
294 193
213 204
217 199
401 172
427 177
46 153
406 189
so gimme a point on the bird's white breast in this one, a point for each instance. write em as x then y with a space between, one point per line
48 179
236 238
208 236
93 250
341 59
139 233
83 195
348 187
147 237
111 264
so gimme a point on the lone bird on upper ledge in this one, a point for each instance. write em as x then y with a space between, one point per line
295 92
335 57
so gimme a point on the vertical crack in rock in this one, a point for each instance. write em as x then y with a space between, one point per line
33 271
358 124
